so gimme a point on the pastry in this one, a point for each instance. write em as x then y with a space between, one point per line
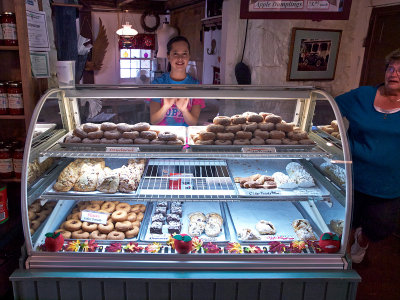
337 226
212 229
247 234
283 181
108 181
265 227
299 175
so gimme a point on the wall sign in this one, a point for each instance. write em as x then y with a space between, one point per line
295 9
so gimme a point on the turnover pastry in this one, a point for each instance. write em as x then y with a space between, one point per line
265 227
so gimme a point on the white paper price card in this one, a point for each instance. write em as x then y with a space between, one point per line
262 192
259 150
94 217
122 149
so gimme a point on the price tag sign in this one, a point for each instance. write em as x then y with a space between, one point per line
259 150
122 149
94 217
262 192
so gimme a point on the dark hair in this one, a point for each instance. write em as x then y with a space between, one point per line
175 39
392 56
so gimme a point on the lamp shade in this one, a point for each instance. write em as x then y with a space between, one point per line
127 30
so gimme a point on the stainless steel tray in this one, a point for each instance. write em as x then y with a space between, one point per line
42 130
187 209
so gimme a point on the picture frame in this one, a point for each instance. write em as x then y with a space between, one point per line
295 9
313 54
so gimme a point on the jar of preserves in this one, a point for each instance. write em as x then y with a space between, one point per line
15 99
3 204
18 156
3 99
6 163
9 29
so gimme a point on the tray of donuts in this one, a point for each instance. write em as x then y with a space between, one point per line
124 220
332 129
205 220
249 129
142 135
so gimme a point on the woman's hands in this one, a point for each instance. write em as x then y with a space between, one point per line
182 103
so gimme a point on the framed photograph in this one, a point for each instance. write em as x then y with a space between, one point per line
313 54
295 9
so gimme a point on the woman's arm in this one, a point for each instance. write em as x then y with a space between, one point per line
191 117
157 112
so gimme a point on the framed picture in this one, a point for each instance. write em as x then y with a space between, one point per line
313 54
295 9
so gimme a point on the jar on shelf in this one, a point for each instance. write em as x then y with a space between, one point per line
3 203
15 99
6 163
3 98
18 156
1 34
9 29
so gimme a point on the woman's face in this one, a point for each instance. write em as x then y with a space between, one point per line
179 56
392 76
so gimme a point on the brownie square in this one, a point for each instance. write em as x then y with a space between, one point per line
176 203
156 227
162 203
158 218
177 210
174 227
161 210
173 218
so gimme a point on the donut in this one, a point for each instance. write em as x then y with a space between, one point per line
130 135
82 203
119 216
249 126
238 119
31 215
73 139
94 207
142 207
222 120
148 134
35 224
123 127
80 133
49 204
96 235
131 217
306 142
32 231
289 142
223 142
208 142
264 114
175 142
261 134
157 141
273 119
167 136
276 134
72 225
141 141
243 135
89 227
91 141
136 223
115 235
108 206
125 141
273 142
123 206
142 126
206 135
80 234
106 228
123 226
108 126
215 128
225 136
95 134
257 141
65 233
233 128
108 141
90 127
41 217
99 202
74 216
139 216
241 142
297 135
285 127
255 118
112 134
35 206
132 232
135 208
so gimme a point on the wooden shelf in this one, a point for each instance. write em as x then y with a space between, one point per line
14 179
12 117
8 48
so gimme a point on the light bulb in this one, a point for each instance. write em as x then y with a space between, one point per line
127 30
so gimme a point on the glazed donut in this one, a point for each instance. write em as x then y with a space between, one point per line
223 142
225 136
90 127
80 234
96 235
157 141
35 224
241 142
94 207
261 134
131 217
249 126
273 142
74 216
119 216
72 225
116 235
95 134
99 202
238 119
208 142
80 133
136 223
306 142
108 126
65 233
112 134
142 207
123 206
139 216
142 126
31 215
91 141
289 142
148 134
108 206
132 232
255 118
175 142
105 212
257 141
135 208
108 141
167 136
215 128
106 228
285 127
273 119
141 141
130 135
222 120
123 226
89 227
297 135
206 135
123 127
276 134
243 135
125 141
233 128
73 139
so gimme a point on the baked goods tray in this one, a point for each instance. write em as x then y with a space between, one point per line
245 215
42 130
246 168
319 131
187 209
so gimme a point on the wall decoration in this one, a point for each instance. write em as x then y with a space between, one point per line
99 49
313 54
140 41
295 9
143 21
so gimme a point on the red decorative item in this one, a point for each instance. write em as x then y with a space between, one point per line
54 241
329 242
183 243
140 41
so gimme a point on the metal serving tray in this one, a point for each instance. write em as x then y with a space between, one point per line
42 130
